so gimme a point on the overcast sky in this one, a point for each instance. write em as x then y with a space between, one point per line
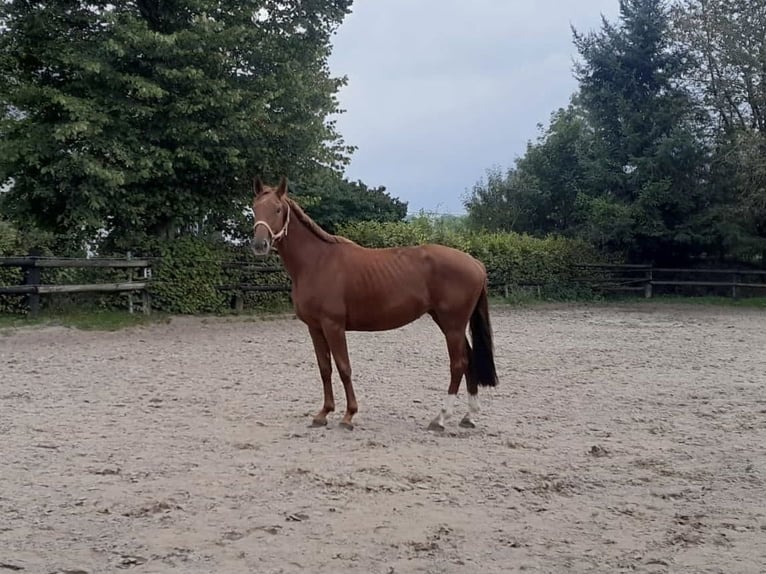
441 90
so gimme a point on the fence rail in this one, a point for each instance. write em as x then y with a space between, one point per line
32 287
238 290
599 277
71 262
615 278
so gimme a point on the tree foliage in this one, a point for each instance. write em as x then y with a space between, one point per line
727 41
659 156
332 200
148 117
539 195
646 156
512 259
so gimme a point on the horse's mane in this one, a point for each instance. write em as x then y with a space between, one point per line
303 217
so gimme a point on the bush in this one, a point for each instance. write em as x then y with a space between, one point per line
186 275
511 259
188 272
9 245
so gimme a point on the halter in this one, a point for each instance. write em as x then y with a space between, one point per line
275 236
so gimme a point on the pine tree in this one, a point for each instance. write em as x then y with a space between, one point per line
647 156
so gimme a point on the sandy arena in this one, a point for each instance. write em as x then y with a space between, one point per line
620 439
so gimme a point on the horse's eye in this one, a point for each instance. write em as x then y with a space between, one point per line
279 210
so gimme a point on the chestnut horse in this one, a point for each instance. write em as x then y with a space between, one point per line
339 286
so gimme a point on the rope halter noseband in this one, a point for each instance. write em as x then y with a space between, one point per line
274 237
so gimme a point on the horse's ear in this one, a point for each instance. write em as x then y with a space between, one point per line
282 189
257 186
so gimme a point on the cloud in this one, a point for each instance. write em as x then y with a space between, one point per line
441 90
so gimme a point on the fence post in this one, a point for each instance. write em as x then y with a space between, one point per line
130 280
648 284
146 297
146 302
734 281
32 277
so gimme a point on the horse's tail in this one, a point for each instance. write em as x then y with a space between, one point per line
481 362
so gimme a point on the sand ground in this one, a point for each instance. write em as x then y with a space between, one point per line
620 439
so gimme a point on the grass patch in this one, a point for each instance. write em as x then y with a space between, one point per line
101 320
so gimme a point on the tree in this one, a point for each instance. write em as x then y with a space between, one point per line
329 199
149 117
554 170
491 204
539 195
647 158
727 40
332 201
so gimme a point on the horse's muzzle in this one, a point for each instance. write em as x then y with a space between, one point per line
260 246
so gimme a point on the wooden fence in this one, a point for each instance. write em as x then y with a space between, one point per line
239 289
646 279
32 287
604 278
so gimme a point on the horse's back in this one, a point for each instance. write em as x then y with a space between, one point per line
387 288
420 263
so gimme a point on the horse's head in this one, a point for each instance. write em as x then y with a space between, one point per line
271 214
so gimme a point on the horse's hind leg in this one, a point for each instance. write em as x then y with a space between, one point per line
468 420
324 360
458 362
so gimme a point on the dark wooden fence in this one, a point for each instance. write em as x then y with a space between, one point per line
649 280
239 289
601 278
32 287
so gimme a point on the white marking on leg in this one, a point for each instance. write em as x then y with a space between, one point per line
449 406
473 408
446 411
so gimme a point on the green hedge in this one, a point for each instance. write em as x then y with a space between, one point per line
9 245
185 277
511 259
188 270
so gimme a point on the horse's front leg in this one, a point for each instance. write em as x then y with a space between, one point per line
322 350
335 334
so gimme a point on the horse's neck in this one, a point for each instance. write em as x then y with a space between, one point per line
300 250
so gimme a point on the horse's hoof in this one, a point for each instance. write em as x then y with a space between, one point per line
467 423
345 425
319 423
436 426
